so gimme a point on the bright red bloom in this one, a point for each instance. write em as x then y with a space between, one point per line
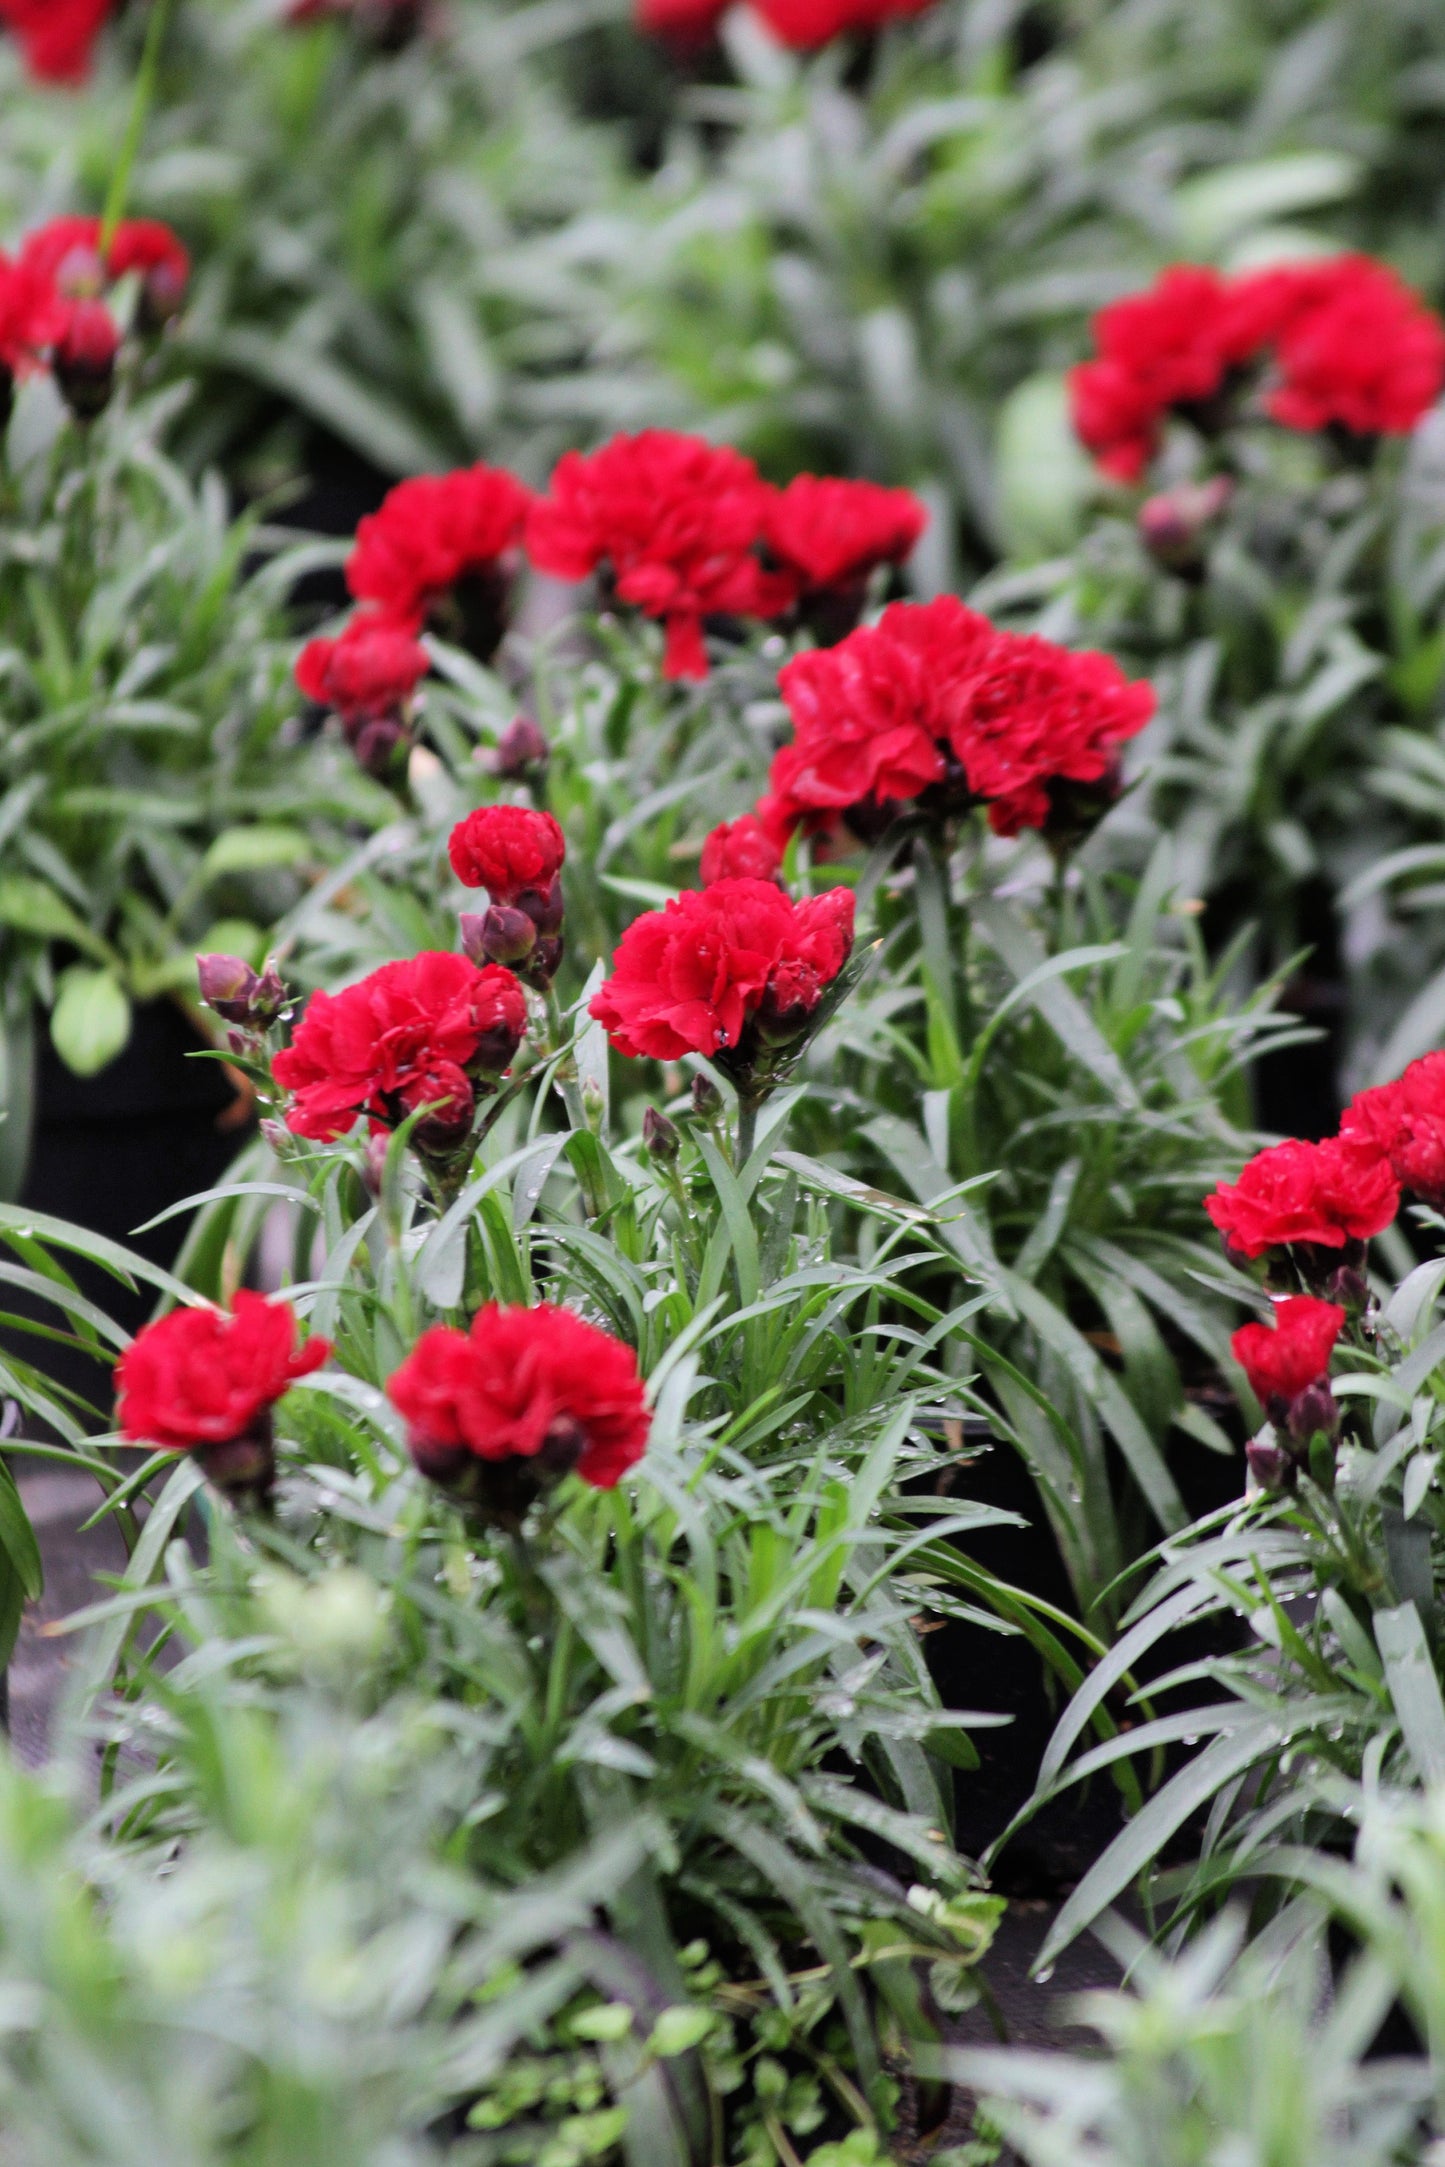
411 1034
32 316
1405 1121
523 1383
1324 1194
508 850
1359 349
806 24
57 37
149 248
1033 714
870 715
690 977
202 1377
372 670
833 533
676 519
1285 1360
1167 347
739 850
429 532
685 24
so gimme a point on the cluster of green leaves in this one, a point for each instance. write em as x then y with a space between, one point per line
1322 1606
157 794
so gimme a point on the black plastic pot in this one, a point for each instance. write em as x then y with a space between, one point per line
113 1150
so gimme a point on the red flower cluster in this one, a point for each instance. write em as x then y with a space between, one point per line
675 519
509 850
1343 341
419 1033
1283 1361
368 676
532 1385
51 307
689 530
713 965
200 1377
517 856
934 695
57 37
802 24
1322 1195
431 532
1405 1123
740 850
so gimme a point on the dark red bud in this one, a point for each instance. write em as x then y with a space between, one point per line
660 1136
1269 1464
521 750
251 1000
373 1161
84 359
1173 525
380 743
502 934
706 1099
1313 1410
544 907
243 1468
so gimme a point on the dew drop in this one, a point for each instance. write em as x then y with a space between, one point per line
1043 1977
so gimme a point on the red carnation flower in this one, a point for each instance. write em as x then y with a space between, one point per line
412 1034
150 249
84 356
1283 1361
1168 347
806 24
201 1377
1323 1194
739 850
1405 1122
32 317
691 977
1359 349
371 671
1032 715
834 533
676 520
508 850
869 714
57 37
533 1385
432 531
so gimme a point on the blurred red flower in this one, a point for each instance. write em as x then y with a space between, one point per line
540 1385
739 850
203 1377
429 532
56 37
1284 1360
1324 1194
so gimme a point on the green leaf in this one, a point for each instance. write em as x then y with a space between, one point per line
1218 206
1044 476
249 850
90 1022
33 906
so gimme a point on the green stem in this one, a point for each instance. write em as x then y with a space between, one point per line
145 85
571 1090
747 1129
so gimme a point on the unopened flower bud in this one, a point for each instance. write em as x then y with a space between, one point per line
84 358
1349 1288
1172 525
1313 1412
1270 1466
277 1137
499 935
706 1099
520 751
381 744
373 1161
659 1136
250 999
544 906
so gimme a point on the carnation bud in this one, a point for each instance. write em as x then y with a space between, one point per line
706 1099
84 359
242 996
381 744
1173 524
659 1136
162 295
1270 1466
544 907
1313 1411
373 1161
277 1138
1349 1288
788 1007
519 752
499 935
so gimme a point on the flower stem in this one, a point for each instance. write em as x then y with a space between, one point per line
571 1090
147 76
747 1129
